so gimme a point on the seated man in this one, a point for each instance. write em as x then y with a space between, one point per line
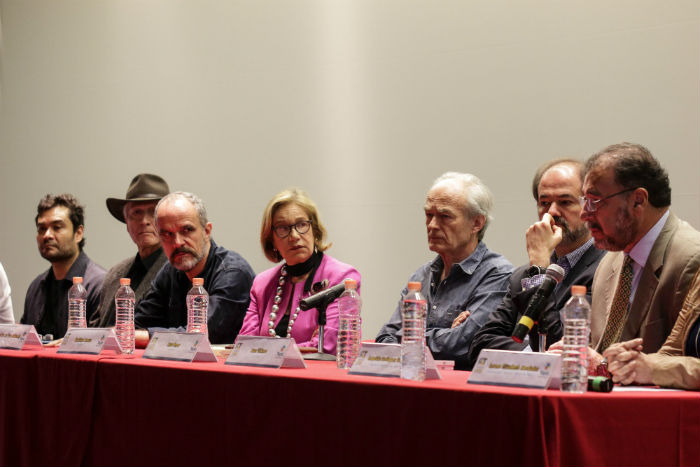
60 237
559 237
643 279
185 233
464 277
137 212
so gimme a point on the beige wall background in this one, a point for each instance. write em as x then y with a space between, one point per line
360 102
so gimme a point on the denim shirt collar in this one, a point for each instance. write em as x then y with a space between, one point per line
467 265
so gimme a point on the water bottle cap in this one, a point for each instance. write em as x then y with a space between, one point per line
578 290
350 284
77 280
198 281
124 281
414 286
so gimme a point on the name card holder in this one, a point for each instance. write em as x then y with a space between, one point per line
89 341
180 347
18 336
268 352
377 359
519 369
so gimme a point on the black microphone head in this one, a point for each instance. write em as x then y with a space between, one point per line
556 272
322 298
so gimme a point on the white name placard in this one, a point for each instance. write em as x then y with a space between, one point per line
179 346
376 359
89 341
521 369
16 336
270 352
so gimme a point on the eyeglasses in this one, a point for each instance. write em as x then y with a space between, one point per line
283 231
591 205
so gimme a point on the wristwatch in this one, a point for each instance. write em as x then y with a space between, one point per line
532 271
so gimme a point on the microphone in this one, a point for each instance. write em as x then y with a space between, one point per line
554 275
323 298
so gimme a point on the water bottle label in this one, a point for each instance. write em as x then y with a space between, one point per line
270 352
521 369
90 341
179 346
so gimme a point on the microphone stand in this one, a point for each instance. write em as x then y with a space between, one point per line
320 354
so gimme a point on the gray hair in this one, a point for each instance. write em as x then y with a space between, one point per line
194 200
479 200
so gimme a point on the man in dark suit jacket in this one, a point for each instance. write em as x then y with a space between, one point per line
559 237
627 208
136 210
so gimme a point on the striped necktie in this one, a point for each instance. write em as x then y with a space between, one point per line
618 309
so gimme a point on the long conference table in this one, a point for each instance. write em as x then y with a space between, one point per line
62 409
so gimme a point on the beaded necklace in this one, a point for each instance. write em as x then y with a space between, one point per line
276 306
309 266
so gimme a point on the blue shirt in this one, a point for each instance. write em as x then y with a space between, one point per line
477 284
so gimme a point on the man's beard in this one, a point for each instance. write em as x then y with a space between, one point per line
568 235
57 255
624 231
186 263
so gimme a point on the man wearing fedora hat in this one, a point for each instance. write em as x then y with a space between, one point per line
136 210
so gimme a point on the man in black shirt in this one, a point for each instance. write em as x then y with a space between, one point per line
60 238
185 233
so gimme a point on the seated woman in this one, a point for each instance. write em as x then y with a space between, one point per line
292 231
676 364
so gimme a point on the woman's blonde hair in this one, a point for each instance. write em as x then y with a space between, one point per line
301 199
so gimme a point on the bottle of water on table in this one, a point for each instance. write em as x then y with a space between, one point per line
577 327
349 325
197 305
413 315
77 299
124 301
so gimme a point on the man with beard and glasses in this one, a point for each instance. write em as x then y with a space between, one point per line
185 234
641 283
60 238
559 237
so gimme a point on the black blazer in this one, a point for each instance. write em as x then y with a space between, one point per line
495 334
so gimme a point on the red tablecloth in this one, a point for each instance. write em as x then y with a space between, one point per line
108 410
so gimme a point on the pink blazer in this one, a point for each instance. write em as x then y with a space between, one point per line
263 293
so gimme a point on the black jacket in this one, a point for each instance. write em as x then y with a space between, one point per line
495 334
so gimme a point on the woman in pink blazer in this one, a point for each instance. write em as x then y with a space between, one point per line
293 233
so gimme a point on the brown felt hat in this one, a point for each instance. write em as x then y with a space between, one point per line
144 187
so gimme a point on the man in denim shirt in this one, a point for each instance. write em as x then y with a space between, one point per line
466 278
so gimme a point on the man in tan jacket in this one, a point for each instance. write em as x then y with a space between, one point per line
643 280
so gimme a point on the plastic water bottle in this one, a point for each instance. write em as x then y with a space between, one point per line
577 327
349 326
124 301
197 305
413 314
77 299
